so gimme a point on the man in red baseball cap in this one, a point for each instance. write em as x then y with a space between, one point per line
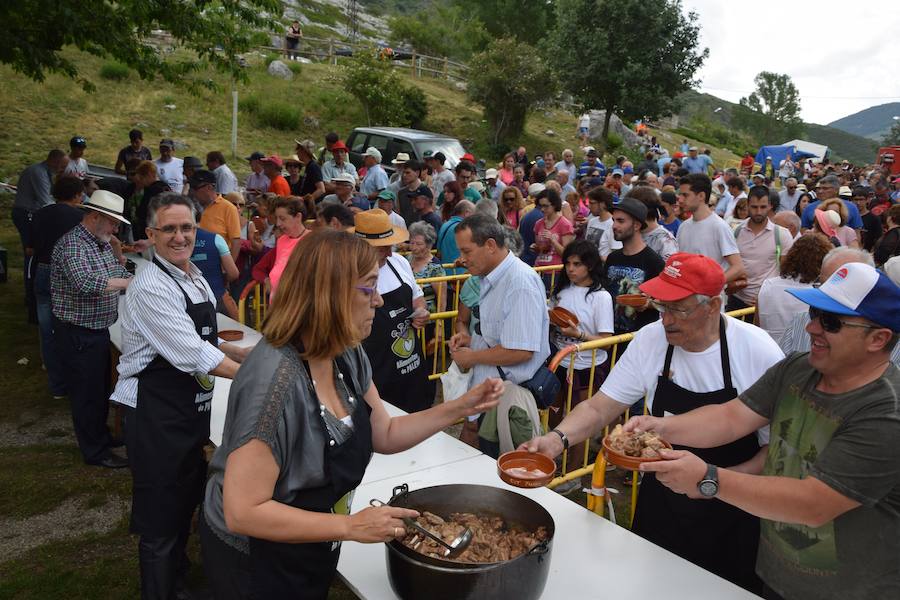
272 166
693 356
337 165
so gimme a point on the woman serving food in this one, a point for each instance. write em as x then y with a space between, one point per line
303 420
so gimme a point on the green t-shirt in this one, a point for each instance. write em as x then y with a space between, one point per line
850 442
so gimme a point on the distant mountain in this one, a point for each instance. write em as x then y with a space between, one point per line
696 106
873 122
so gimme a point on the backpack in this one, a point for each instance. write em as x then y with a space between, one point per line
778 228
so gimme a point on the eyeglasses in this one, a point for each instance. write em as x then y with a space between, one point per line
676 312
185 229
833 323
368 291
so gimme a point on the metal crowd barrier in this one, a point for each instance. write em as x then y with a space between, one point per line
253 303
597 496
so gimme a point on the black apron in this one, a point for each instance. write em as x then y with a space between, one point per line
166 435
399 369
710 533
305 571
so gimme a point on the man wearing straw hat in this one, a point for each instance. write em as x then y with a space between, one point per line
399 368
85 281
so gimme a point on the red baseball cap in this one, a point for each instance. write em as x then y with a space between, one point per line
468 156
686 274
274 159
339 145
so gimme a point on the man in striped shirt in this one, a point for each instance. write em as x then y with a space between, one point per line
85 281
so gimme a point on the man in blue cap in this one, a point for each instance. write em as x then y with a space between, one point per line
829 494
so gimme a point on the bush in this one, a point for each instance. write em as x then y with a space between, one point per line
415 105
295 67
377 86
114 71
279 115
249 104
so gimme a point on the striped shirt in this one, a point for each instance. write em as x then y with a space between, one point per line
513 314
154 323
796 339
80 269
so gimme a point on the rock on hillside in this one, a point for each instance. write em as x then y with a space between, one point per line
616 126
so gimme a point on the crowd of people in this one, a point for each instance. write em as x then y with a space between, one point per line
660 250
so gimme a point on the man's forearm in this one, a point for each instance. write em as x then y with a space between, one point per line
498 356
588 418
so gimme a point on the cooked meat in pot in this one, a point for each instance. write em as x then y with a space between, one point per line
645 444
492 540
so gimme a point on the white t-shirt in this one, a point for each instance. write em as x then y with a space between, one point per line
388 282
172 173
776 308
750 350
601 233
77 167
397 220
710 237
584 121
595 315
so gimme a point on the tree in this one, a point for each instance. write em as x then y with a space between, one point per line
38 32
631 57
892 137
508 79
386 100
524 20
775 107
440 30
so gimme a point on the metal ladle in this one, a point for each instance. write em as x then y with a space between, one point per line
451 550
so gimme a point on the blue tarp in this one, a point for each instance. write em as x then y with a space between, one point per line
779 153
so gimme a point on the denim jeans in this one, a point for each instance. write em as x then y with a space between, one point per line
49 354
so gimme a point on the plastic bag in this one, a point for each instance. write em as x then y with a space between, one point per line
454 382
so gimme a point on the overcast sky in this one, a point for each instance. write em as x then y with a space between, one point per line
840 55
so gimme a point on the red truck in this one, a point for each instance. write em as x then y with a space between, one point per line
889 155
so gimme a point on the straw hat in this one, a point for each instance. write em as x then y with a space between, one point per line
111 205
375 227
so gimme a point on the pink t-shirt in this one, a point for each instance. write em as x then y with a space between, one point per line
506 176
846 235
284 247
546 253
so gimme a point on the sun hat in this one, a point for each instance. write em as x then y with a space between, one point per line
856 290
375 227
344 178
111 205
536 188
845 192
373 152
476 185
684 275
307 144
293 159
401 158
201 177
828 220
235 198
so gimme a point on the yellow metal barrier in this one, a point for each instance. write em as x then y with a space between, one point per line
255 299
597 470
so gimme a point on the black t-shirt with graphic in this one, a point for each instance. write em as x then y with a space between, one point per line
623 276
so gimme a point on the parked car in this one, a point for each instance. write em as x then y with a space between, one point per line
392 140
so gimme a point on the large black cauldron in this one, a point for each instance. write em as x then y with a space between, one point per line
415 576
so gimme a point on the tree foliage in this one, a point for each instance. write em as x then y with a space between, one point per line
772 112
630 57
892 138
508 79
525 20
37 32
440 30
386 100
775 96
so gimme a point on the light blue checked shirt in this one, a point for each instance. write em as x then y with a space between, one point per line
513 314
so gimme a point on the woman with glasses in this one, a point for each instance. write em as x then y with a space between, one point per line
512 205
553 232
290 213
304 418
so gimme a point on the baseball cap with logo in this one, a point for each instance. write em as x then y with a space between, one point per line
686 274
856 290
256 156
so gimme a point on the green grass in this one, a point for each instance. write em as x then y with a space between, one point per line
114 71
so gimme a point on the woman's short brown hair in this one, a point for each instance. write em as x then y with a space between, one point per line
315 295
146 169
293 204
804 259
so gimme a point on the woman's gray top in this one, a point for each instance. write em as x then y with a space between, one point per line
272 400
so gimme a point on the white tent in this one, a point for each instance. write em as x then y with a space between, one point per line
818 149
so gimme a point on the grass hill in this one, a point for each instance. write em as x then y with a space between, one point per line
873 122
710 118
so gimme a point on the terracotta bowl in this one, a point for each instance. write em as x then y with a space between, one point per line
561 317
632 463
636 300
231 335
520 459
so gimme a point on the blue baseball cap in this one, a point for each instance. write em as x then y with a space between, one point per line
628 170
856 290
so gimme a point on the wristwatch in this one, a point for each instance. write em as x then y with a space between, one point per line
709 485
563 437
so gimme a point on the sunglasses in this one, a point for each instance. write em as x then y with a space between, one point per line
833 323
